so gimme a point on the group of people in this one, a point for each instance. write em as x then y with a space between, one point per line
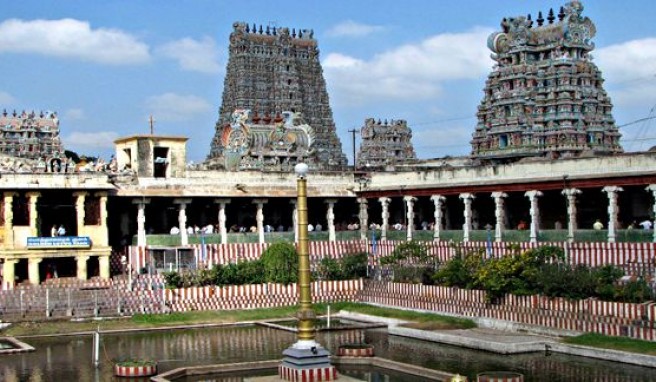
645 224
57 231
193 230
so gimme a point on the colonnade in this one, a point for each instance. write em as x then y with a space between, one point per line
439 201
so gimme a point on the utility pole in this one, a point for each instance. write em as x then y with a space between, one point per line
353 132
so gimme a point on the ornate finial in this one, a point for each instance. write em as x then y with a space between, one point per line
248 28
268 30
261 30
254 28
275 33
294 32
551 16
300 33
151 121
529 22
504 25
540 20
561 14
4 112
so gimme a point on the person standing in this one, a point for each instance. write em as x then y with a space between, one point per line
61 231
598 225
646 224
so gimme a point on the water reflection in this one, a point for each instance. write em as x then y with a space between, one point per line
69 358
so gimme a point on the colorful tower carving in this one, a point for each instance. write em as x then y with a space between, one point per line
30 135
385 143
271 72
544 97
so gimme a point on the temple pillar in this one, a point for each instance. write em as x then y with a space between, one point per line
410 216
182 219
259 219
9 274
330 218
294 219
364 218
613 210
81 267
533 196
33 270
438 201
9 218
80 197
32 199
467 198
652 188
499 215
572 225
102 198
141 220
223 230
103 265
384 203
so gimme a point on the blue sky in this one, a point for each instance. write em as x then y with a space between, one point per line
105 66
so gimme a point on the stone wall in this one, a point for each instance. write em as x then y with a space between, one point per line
594 316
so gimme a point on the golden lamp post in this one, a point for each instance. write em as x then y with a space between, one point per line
305 360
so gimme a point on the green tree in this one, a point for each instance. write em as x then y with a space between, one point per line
280 263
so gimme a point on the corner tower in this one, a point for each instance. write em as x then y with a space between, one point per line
545 96
272 72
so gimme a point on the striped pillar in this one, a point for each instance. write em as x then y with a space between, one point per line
410 216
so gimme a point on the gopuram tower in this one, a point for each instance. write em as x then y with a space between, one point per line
275 110
545 96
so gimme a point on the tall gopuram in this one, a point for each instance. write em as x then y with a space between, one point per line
385 143
273 72
544 96
30 135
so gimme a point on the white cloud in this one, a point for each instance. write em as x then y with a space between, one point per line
98 140
351 28
193 55
72 39
6 98
630 71
74 114
410 72
175 107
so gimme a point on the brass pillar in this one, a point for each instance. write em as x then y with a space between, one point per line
306 314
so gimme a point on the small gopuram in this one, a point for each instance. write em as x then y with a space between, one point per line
30 135
385 144
254 142
270 71
544 97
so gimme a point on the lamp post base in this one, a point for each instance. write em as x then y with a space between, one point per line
306 361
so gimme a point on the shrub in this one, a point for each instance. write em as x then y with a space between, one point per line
280 263
354 266
329 269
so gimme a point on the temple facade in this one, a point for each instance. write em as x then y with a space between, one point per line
545 96
271 71
30 135
385 144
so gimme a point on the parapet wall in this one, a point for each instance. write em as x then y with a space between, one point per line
590 315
